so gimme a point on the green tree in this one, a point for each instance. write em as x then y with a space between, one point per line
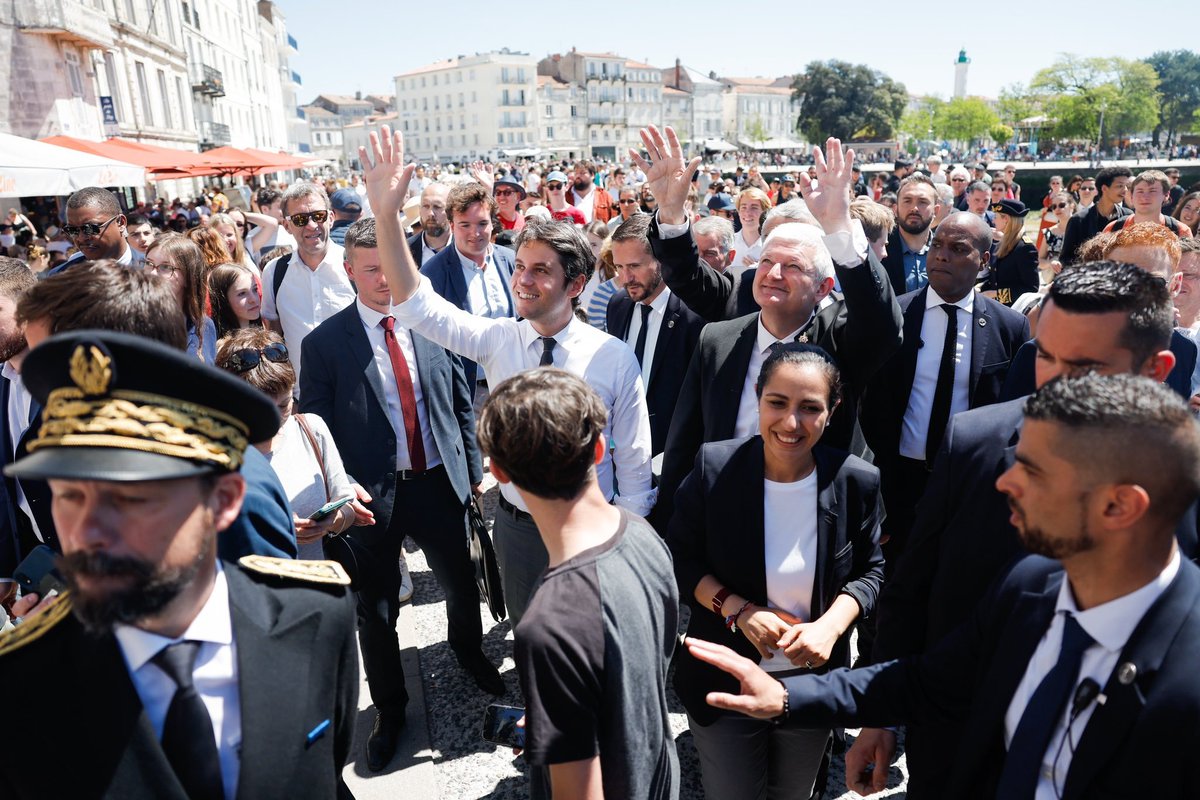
757 130
850 101
1078 90
1179 91
917 119
964 119
1017 104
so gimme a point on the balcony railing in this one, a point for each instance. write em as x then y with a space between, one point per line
213 134
207 80
70 20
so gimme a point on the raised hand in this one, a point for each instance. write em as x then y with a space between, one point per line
385 174
829 199
667 174
484 173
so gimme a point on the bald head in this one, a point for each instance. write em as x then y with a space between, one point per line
979 233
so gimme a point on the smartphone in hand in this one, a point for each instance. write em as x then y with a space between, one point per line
330 507
37 573
500 725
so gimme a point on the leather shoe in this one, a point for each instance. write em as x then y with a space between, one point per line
381 744
484 673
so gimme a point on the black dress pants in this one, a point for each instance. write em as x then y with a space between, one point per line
427 509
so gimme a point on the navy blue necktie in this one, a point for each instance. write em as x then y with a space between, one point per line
639 348
1028 748
943 392
187 738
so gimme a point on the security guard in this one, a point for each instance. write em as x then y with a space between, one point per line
162 672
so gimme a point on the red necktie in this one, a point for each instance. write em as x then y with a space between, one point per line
408 397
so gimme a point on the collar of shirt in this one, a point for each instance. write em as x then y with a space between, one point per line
966 303
334 259
469 264
370 317
766 338
659 304
212 624
1111 624
529 335
10 372
905 249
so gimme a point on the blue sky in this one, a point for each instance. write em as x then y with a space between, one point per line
360 45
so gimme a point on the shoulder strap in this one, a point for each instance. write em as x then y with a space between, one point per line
312 442
281 268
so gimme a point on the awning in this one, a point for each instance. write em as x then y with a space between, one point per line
32 168
778 143
234 161
281 160
719 145
524 152
162 163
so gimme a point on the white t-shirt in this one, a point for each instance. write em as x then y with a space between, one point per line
790 551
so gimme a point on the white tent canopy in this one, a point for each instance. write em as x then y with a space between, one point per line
718 145
779 143
30 168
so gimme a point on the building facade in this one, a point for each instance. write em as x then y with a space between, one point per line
469 107
707 107
602 78
756 111
562 118
643 103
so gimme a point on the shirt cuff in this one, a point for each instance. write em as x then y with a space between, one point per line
847 248
666 231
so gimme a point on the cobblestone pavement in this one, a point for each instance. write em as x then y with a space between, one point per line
453 762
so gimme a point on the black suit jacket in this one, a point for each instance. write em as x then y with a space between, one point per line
677 337
971 677
414 247
340 383
1022 377
893 262
996 334
11 547
445 273
860 331
1083 225
718 529
86 736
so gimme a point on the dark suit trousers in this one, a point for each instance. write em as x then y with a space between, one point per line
428 510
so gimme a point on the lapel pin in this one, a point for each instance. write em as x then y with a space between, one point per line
671 324
316 733
982 322
1126 673
802 338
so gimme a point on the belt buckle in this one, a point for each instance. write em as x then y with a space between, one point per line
406 474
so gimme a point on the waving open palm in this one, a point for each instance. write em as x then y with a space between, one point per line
667 174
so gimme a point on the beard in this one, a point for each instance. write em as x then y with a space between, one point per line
1038 542
920 227
580 185
147 588
435 230
11 346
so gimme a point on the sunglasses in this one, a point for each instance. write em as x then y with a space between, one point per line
504 193
241 361
1059 205
958 180
628 202
301 220
88 228
161 269
553 187
1087 188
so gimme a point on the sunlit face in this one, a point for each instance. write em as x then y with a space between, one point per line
1148 197
953 260
243 299
977 201
539 284
712 250
793 411
1049 498
507 198
750 212
312 238
1072 344
229 236
140 237
1116 192
1189 214
785 282
159 263
433 210
1187 285
363 267
639 271
916 207
109 242
473 231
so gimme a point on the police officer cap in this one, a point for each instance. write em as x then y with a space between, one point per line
1014 208
119 407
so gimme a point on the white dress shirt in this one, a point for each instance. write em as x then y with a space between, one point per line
504 347
307 297
428 252
915 430
485 286
790 552
215 676
372 322
1110 625
658 312
585 203
746 256
19 403
747 415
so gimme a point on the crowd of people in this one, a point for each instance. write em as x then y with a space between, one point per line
800 409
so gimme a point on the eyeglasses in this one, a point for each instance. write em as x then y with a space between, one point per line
88 228
161 269
241 361
958 180
301 220
504 193
1059 205
553 187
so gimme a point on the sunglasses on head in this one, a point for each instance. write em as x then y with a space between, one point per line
301 220
245 360
88 228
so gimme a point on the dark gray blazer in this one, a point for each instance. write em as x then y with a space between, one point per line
340 383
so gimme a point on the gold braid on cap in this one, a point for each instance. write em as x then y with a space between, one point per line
88 415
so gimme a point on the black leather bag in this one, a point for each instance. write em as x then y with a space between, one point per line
483 556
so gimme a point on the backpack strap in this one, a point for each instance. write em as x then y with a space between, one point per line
281 268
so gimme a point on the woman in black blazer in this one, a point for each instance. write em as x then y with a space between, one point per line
776 546
1014 270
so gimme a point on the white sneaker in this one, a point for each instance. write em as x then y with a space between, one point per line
406 587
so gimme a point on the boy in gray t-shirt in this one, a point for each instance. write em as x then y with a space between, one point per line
595 643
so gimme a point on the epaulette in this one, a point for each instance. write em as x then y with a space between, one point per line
36 626
310 571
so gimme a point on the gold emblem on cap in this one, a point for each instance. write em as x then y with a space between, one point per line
91 369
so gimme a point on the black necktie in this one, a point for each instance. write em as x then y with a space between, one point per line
547 351
187 738
939 415
639 349
1027 751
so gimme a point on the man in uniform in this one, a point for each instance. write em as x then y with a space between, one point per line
163 672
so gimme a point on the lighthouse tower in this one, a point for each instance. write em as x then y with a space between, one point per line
960 74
